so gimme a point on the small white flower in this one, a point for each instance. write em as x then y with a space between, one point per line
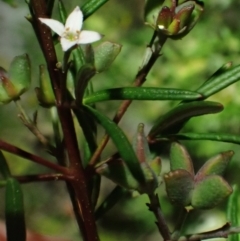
71 33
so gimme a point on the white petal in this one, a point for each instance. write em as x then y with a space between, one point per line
55 25
74 20
88 37
67 44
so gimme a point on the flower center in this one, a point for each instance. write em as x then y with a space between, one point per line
71 36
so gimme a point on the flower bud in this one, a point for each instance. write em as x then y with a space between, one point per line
44 93
178 20
16 81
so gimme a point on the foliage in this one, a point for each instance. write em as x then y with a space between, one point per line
75 148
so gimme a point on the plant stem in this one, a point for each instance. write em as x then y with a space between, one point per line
83 209
19 152
154 206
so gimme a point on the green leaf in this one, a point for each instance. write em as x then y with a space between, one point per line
91 6
14 211
180 158
179 185
84 75
4 169
112 199
208 136
141 93
216 165
175 119
62 11
105 54
209 192
120 140
220 80
4 81
233 213
117 171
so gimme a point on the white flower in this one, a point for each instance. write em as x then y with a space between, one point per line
71 33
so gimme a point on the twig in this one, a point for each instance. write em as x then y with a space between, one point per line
19 152
222 232
154 206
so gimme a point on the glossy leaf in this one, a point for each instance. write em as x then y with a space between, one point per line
210 191
91 6
105 54
209 136
4 169
14 211
4 81
220 81
175 119
180 158
179 185
216 165
62 11
120 140
141 93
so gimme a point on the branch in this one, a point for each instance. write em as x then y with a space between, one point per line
26 155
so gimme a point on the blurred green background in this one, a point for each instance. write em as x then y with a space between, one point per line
185 64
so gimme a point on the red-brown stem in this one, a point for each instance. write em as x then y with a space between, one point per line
79 184
43 178
19 152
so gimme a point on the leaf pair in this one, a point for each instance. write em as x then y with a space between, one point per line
204 190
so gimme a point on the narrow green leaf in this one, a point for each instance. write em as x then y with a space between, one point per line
4 169
105 54
208 136
62 11
233 212
210 191
14 211
112 199
117 171
141 93
175 119
219 81
91 6
120 140
180 158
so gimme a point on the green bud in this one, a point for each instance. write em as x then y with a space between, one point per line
180 158
216 165
184 14
20 74
6 87
209 192
183 18
105 54
164 18
179 186
45 93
